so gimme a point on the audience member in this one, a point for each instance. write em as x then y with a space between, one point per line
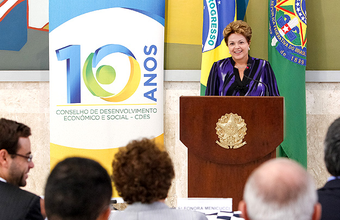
78 189
329 195
280 189
15 163
142 174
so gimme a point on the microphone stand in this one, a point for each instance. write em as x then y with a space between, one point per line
266 91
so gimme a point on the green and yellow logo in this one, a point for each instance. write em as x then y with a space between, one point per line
106 74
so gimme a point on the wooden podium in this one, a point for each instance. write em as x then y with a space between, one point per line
218 172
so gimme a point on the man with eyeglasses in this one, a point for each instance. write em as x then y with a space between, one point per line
15 163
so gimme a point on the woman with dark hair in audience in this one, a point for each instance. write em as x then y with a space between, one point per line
142 175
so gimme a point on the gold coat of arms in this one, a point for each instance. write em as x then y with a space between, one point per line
231 130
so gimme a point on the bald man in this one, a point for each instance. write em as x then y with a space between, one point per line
280 189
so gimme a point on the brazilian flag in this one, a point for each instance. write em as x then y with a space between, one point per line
217 15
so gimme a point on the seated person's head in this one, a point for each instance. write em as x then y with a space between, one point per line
332 148
15 149
280 189
78 189
142 172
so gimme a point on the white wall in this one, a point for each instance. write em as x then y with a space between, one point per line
28 102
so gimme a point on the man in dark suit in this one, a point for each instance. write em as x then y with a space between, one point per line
15 163
78 189
329 195
280 189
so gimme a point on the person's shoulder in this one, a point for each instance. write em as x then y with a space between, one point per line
223 63
224 60
164 213
11 189
255 59
28 194
331 185
187 214
122 215
20 202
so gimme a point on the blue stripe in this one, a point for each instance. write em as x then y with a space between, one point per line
226 14
241 9
109 49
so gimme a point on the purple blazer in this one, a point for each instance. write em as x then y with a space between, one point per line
224 79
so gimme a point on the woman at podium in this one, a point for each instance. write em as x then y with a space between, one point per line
241 74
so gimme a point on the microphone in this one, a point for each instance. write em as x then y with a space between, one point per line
266 91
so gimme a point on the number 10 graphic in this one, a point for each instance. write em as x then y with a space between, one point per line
105 74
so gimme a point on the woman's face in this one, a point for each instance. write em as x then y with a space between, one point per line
238 47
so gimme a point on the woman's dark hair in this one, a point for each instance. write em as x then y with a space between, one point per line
237 27
142 172
10 132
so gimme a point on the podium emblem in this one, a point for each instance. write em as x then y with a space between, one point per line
231 130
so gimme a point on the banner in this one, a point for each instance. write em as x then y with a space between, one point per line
106 76
287 54
216 16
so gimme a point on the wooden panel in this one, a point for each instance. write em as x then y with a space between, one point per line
263 116
214 180
218 172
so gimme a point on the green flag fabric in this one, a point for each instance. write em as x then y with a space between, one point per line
287 48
